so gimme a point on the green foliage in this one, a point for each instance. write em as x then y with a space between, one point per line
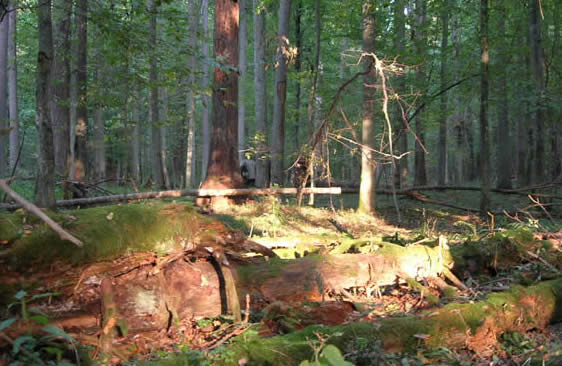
330 355
51 347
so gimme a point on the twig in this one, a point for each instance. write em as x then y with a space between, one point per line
536 201
550 266
234 333
30 207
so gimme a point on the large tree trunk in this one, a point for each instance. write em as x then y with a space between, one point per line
206 135
442 163
537 61
45 184
555 128
280 98
243 43
224 167
504 144
4 24
61 84
193 26
420 178
13 86
367 189
484 133
135 141
260 103
81 170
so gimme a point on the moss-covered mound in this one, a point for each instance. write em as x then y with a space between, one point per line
107 232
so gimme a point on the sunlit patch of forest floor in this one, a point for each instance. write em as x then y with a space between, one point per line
295 232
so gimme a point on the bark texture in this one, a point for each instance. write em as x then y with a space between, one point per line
3 96
45 184
442 161
484 132
205 126
193 27
61 83
260 95
420 178
13 86
367 190
223 170
280 99
81 125
242 45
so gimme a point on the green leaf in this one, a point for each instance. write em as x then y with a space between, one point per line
57 352
20 295
332 355
40 319
46 294
20 341
55 332
6 323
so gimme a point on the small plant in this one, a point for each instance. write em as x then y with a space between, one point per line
325 354
30 348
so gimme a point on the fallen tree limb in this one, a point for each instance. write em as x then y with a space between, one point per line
28 206
187 192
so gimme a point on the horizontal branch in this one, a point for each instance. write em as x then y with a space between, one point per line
188 192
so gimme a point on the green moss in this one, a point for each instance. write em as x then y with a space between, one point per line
107 233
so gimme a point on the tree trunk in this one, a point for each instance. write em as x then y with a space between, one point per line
98 147
260 96
135 142
193 26
45 184
61 84
206 136
4 25
420 178
163 118
555 139
280 99
484 133
442 163
243 43
537 61
81 170
401 175
367 189
504 146
224 167
298 68
13 86
157 175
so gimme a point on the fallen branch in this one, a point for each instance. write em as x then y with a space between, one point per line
186 192
30 207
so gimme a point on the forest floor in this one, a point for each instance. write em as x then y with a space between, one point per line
297 232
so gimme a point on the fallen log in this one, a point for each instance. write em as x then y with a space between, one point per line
474 326
187 192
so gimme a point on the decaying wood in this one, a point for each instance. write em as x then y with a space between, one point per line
476 326
30 207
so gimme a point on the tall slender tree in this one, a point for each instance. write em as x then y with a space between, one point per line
193 26
205 125
537 64
260 94
81 124
61 84
401 175
367 189
157 172
280 98
420 178
223 170
442 164
13 86
4 94
484 132
45 184
504 144
243 43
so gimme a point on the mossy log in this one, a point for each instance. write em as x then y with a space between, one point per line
476 326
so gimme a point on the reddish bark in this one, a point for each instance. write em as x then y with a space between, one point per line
223 170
